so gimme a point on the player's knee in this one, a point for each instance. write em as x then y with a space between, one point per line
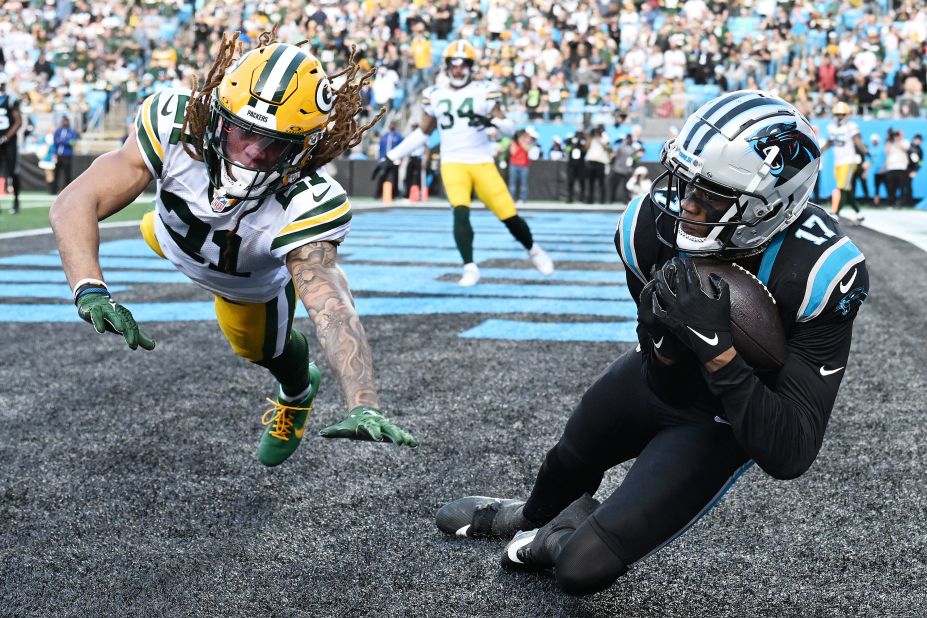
586 564
247 352
462 217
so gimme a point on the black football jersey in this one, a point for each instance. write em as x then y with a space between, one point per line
818 279
8 104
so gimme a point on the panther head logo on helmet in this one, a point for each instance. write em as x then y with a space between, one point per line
265 119
459 59
791 150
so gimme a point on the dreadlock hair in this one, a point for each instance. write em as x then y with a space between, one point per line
197 112
341 132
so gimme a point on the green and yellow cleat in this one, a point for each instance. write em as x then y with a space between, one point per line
286 423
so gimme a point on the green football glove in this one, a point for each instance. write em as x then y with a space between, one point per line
366 423
107 315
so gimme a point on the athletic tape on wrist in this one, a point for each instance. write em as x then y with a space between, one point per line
89 286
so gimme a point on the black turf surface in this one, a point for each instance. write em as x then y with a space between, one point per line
129 485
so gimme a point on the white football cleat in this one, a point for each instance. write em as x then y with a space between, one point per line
471 275
541 260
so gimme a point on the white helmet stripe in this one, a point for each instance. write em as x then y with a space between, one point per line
276 74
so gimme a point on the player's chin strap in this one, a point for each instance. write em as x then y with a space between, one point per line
505 126
403 149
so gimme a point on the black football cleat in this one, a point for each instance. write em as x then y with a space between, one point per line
482 517
536 550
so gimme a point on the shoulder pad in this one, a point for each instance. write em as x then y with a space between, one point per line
158 125
317 209
626 241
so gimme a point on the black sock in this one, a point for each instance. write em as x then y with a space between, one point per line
463 233
291 368
520 230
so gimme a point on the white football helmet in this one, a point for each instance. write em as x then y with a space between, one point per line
749 149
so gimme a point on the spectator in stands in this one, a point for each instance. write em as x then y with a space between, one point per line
520 163
421 57
384 87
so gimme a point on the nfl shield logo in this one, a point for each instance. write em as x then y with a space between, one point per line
220 203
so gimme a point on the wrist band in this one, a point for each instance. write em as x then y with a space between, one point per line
86 286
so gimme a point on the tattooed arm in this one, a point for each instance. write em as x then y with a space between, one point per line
324 290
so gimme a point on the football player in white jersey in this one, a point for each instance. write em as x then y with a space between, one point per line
843 137
245 210
461 113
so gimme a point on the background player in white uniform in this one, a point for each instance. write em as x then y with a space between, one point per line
245 211
843 137
462 113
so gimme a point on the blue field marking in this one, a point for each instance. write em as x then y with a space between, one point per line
432 255
423 280
53 261
554 331
393 253
35 275
42 290
379 305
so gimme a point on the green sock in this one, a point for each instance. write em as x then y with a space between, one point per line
518 227
291 368
463 233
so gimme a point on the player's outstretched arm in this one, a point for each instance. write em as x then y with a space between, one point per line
112 182
324 291
407 146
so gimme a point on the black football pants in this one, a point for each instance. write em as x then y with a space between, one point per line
686 460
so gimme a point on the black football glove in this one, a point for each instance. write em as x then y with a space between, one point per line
479 120
384 168
701 321
650 331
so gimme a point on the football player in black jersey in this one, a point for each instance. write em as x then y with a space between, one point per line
684 403
10 122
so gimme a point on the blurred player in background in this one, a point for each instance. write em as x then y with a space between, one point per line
462 113
684 403
849 150
10 122
245 209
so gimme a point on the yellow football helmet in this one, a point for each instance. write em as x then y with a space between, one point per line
459 58
265 119
840 109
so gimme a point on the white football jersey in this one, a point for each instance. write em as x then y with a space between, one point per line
460 142
194 231
841 138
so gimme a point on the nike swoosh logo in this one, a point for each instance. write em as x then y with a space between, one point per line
709 341
517 543
829 372
299 432
845 288
319 197
659 344
164 110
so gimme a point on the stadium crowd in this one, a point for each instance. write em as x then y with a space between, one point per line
579 61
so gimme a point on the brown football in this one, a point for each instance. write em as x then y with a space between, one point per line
756 328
